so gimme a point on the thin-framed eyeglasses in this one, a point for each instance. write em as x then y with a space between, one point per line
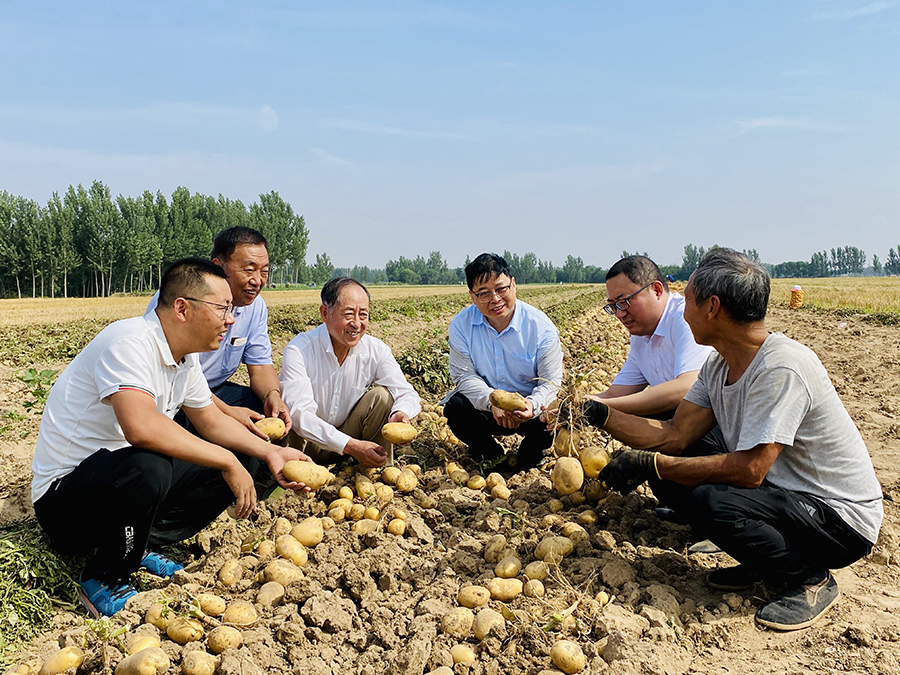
226 309
486 296
624 303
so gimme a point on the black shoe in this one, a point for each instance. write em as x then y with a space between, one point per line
800 606
738 578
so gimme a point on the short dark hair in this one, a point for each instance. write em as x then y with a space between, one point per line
187 278
740 283
228 240
486 265
639 269
332 290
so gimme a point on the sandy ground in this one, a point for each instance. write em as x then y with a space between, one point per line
374 603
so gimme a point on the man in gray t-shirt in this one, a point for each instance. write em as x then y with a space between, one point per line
795 495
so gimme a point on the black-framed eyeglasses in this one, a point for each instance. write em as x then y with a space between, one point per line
226 309
624 303
486 296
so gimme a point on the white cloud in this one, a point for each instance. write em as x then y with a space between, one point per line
745 126
328 158
268 119
846 13
365 127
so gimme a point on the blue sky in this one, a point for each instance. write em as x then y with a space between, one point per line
398 128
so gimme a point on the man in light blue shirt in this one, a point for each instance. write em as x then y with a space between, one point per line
500 342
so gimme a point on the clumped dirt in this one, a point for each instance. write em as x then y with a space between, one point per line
629 594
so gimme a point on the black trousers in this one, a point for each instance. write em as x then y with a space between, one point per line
477 428
789 538
118 504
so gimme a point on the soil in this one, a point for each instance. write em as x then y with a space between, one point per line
375 603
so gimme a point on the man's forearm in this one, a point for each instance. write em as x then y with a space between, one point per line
264 381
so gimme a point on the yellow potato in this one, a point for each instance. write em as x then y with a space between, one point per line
346 492
537 570
462 654
555 506
416 470
198 662
486 620
407 481
500 492
555 548
139 643
281 526
365 526
152 661
283 571
390 475
399 514
504 589
508 400
183 629
460 477
231 572
156 615
356 512
240 614
509 567
343 503
63 660
567 475
337 515
399 433
211 604
551 521
567 656
309 532
288 547
575 532
602 598
566 442
493 480
494 549
578 498
397 527
384 493
473 596
371 513
458 622
272 427
476 482
327 523
270 594
427 502
311 475
588 517
594 460
365 488
223 638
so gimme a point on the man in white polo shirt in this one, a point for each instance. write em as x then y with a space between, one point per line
243 255
113 473
327 378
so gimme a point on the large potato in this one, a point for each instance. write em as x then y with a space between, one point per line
493 480
509 567
157 615
567 475
311 475
283 571
223 638
494 549
397 527
139 643
458 622
473 596
486 620
240 614
309 532
554 549
390 475
153 661
566 442
198 662
288 547
537 570
63 660
399 433
575 532
272 427
505 589
533 589
230 572
270 594
211 604
407 481
508 400
567 656
462 654
594 460
183 629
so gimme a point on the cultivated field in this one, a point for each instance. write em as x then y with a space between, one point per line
629 595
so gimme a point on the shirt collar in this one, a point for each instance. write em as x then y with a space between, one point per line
515 323
664 319
165 352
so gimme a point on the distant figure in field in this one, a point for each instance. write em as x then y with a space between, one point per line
113 473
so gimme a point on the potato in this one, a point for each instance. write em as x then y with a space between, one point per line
327 523
371 513
566 443
460 477
183 629
139 643
575 532
578 498
342 503
500 492
282 571
593 459
211 604
240 614
486 620
397 527
390 475
153 661
602 598
365 526
567 656
415 469
554 548
504 589
198 662
537 569
266 549
308 532
384 493
533 589
555 506
567 475
508 400
230 572
346 492
356 512
399 433
281 526
452 466
337 515
462 654
596 491
311 475
63 660
476 482
270 594
223 638
493 480
407 481
30 668
509 567
552 521
157 615
272 427
288 547
399 514
588 517
473 596
427 502
365 488
494 549
458 622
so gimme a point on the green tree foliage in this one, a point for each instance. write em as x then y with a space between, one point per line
892 264
876 265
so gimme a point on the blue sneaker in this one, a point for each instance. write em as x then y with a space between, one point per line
159 565
104 600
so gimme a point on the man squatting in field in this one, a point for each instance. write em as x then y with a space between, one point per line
499 342
113 472
327 378
243 255
795 495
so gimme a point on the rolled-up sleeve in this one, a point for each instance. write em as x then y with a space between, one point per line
550 371
389 375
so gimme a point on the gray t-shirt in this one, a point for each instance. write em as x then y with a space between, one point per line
786 397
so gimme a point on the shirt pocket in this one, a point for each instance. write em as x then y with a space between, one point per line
233 354
523 370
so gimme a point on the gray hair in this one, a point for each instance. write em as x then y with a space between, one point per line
332 289
741 284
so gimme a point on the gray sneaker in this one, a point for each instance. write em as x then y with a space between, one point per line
800 606
705 546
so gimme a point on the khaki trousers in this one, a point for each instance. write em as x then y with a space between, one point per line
364 423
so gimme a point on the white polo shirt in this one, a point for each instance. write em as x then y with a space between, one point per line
668 353
78 419
321 393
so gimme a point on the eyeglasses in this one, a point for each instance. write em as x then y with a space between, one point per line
624 303
226 309
485 296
